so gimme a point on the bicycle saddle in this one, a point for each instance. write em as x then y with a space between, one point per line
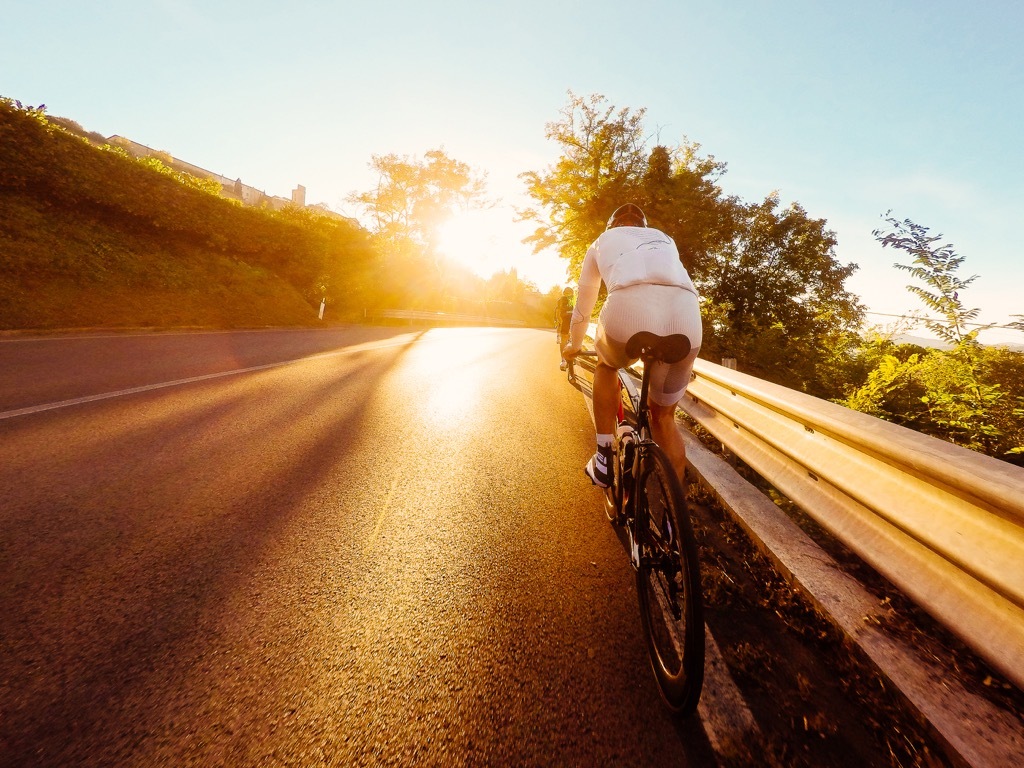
665 349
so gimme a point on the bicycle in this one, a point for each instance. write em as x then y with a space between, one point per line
647 502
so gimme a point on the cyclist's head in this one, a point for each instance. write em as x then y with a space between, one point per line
627 215
567 291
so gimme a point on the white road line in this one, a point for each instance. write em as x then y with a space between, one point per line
191 380
73 336
384 509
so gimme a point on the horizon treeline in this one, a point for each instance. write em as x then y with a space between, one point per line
53 169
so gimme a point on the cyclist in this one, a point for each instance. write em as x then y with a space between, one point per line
648 290
563 317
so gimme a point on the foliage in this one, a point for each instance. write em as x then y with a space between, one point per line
73 127
969 394
63 177
941 394
785 311
889 376
680 192
773 292
414 197
162 165
63 268
603 159
1006 367
937 268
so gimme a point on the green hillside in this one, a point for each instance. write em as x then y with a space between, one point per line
90 237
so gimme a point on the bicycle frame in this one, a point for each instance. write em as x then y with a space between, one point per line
623 496
626 494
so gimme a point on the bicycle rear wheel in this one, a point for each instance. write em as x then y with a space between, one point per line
668 584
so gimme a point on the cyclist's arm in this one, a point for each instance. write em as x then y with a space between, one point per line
590 284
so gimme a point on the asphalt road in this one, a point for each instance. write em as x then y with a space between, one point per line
350 546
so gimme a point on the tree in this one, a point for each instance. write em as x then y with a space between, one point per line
413 197
936 267
681 195
606 161
776 299
603 160
968 395
773 290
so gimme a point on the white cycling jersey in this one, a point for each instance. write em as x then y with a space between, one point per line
623 257
648 290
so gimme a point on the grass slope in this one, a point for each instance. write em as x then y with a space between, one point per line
67 269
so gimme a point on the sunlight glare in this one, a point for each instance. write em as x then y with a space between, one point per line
490 241
472 239
457 389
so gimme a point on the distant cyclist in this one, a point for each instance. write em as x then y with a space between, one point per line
563 318
648 290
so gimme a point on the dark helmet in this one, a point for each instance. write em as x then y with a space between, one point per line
627 215
567 291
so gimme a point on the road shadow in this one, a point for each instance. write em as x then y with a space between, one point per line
116 602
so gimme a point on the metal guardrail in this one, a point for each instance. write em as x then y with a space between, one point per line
441 318
943 523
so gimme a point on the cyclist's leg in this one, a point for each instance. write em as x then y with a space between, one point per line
668 384
679 312
606 398
563 339
666 434
611 355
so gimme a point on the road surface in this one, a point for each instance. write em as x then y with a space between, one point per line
332 547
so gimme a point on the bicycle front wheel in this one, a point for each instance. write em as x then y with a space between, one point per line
668 584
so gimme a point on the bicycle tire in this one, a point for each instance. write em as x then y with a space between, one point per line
668 584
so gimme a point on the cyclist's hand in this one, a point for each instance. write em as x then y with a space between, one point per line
569 353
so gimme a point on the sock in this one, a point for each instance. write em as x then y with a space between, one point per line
605 440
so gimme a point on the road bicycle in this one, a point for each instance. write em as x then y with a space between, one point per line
647 502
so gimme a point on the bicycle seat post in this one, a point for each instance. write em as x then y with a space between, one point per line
643 414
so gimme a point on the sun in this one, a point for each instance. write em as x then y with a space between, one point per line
489 240
473 240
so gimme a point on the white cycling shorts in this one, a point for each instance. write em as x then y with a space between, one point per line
660 309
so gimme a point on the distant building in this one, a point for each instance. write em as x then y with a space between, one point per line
233 188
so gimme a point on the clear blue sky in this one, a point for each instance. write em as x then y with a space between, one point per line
849 109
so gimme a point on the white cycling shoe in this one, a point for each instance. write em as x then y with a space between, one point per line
599 468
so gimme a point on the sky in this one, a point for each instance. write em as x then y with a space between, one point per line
851 110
